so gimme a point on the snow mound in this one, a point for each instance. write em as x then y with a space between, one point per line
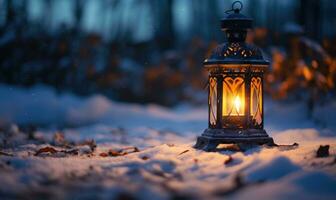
304 185
272 170
41 105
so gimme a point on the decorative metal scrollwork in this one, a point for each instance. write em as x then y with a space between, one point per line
236 50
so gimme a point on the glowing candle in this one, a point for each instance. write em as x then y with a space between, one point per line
237 104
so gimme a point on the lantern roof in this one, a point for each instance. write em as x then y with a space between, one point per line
236 50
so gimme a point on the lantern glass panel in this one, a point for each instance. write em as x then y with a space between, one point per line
233 102
212 100
256 101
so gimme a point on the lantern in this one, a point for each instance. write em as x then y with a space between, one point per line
236 69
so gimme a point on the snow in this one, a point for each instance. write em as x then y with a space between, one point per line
166 166
301 185
41 105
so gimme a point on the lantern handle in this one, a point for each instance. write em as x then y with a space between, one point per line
236 10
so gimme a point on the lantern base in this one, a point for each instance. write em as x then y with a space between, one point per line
211 138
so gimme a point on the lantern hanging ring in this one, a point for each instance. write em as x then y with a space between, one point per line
236 10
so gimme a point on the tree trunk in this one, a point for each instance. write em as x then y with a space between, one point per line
164 27
10 13
47 14
78 12
310 17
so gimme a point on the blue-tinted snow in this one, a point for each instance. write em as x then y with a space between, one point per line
165 137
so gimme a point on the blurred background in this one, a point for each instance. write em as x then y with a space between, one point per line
151 51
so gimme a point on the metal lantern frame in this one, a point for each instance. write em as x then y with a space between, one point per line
236 99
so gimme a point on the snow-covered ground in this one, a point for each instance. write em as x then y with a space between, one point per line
94 148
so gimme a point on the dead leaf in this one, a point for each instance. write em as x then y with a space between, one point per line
115 153
46 150
103 154
144 157
122 152
229 160
60 141
184 152
52 151
323 151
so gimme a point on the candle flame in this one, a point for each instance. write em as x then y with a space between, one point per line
237 104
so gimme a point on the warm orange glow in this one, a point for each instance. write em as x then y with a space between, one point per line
237 104
233 96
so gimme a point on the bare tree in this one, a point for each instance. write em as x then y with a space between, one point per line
78 12
163 22
310 17
47 16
